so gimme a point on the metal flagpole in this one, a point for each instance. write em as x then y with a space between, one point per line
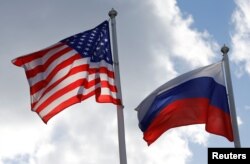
225 50
120 118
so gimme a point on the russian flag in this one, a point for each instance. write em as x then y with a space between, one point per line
196 97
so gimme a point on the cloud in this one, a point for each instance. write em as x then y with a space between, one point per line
156 43
173 52
181 41
239 121
74 136
241 36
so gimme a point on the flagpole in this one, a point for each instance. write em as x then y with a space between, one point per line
120 118
225 50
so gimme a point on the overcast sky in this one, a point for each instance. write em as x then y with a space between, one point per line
157 41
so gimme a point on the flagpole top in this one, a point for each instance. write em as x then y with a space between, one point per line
112 13
224 49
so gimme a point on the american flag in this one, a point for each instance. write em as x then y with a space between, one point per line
71 71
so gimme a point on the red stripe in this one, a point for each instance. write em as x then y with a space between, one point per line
219 122
64 105
78 83
59 93
85 67
188 112
41 84
78 99
108 99
106 84
38 86
20 61
105 98
106 71
72 71
42 68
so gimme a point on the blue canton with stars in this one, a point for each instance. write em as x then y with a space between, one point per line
94 43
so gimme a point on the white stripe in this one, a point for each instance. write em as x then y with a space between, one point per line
41 61
105 77
64 71
64 83
56 62
58 101
44 75
214 71
83 74
67 96
60 74
102 63
108 92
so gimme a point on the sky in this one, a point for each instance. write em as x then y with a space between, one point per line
157 41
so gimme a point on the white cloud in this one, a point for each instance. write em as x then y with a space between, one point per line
196 134
241 36
173 43
175 148
73 136
150 55
18 142
164 62
239 121
180 40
